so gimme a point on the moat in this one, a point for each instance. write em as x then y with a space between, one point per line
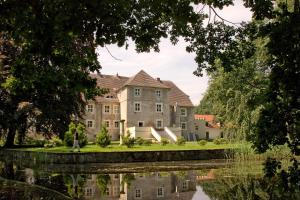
205 180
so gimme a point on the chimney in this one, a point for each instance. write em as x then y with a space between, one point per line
158 79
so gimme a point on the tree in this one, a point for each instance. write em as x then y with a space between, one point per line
57 43
69 135
103 137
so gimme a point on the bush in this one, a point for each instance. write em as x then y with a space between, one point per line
180 141
202 142
69 135
217 141
147 142
103 138
223 141
140 141
54 142
35 142
164 141
128 141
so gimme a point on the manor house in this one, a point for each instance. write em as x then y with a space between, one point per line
142 106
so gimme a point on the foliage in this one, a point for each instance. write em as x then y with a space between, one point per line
236 97
164 141
139 141
36 142
202 142
217 141
69 135
147 142
56 45
54 142
180 141
102 181
103 137
128 141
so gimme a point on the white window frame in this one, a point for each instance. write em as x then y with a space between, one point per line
140 193
104 110
162 194
90 108
158 93
116 109
87 123
185 112
115 124
162 123
161 106
105 123
185 125
142 123
137 92
89 191
134 106
184 185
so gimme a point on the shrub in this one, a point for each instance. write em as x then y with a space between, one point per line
180 141
164 141
223 141
103 138
128 141
147 142
35 142
217 141
69 135
54 142
202 142
140 141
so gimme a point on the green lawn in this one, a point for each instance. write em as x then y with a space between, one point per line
114 147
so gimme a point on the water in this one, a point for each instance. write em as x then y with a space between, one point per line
206 180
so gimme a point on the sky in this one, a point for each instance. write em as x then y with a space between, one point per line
171 63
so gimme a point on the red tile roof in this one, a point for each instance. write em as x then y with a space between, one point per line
116 82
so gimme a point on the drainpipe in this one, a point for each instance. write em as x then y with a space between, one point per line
122 130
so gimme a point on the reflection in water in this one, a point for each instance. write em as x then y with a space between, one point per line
203 184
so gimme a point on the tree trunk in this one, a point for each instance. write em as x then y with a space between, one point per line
10 138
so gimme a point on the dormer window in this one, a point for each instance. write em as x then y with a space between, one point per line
137 92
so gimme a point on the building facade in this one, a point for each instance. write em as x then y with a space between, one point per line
149 108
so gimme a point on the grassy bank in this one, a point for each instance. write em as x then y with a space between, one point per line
115 147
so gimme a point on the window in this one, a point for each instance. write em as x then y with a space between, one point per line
107 191
90 108
138 193
106 109
184 185
183 125
107 123
160 191
159 123
158 93
196 128
137 92
222 135
89 124
183 112
137 107
141 124
116 109
159 107
88 191
207 135
116 123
